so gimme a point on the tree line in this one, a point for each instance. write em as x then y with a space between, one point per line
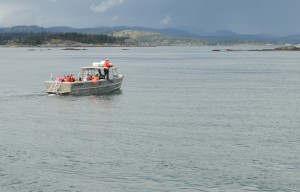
35 39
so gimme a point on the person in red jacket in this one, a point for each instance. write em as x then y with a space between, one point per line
106 63
106 66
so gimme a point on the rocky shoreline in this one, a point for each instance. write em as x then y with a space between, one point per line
282 48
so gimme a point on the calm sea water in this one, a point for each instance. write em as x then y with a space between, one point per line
186 119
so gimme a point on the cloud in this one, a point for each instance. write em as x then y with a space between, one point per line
166 20
16 14
116 17
105 5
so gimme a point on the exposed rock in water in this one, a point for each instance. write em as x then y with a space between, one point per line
288 48
283 48
73 49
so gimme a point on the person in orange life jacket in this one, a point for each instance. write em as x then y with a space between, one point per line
95 78
106 66
67 79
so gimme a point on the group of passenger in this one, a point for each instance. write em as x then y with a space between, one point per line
88 76
66 78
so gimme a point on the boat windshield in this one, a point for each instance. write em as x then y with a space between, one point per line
87 74
89 71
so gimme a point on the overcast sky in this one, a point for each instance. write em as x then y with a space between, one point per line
280 17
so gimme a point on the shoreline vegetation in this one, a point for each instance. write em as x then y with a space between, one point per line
59 40
125 38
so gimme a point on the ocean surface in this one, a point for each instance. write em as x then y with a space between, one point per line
185 119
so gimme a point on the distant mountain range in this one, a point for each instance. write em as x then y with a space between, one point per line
215 37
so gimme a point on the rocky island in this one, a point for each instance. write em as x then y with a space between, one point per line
288 48
281 48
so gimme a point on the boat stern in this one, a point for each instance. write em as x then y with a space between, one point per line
55 87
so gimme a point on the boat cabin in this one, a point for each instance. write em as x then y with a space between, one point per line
97 69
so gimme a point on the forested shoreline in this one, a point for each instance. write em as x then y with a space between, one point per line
44 38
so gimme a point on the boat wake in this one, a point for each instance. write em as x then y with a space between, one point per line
41 94
22 95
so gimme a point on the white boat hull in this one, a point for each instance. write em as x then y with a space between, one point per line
86 87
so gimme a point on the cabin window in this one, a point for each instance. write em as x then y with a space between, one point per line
87 74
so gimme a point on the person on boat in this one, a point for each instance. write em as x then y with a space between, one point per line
95 78
88 77
67 79
106 67
59 78
72 78
106 63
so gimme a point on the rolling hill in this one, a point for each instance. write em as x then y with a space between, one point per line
143 36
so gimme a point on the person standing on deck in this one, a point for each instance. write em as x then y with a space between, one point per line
106 67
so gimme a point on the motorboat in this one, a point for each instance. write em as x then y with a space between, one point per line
94 79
